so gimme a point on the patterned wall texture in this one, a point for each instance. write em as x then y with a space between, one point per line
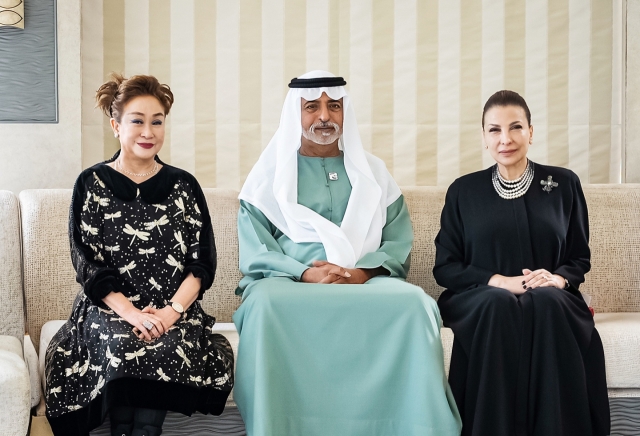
418 72
28 89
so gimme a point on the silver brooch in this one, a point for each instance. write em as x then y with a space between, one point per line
548 185
333 176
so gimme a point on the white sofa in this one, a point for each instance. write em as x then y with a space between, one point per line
15 391
613 283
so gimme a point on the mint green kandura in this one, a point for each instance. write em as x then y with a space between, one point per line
333 360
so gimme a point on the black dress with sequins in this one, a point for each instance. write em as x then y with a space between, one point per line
141 240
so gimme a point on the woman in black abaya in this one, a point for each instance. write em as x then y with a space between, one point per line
511 252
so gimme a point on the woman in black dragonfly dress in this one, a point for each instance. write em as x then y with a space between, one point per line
512 251
138 342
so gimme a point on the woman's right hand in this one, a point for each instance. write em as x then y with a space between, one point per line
136 317
511 284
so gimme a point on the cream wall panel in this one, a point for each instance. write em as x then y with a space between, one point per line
160 56
536 69
557 78
427 84
205 91
136 37
515 47
93 132
382 81
274 84
340 14
295 38
404 92
113 61
632 93
470 86
578 84
359 72
227 94
318 35
600 91
249 93
616 153
418 72
493 65
183 71
448 91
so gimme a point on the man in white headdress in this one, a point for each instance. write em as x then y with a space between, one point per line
333 341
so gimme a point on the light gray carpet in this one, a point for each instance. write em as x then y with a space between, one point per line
625 421
625 416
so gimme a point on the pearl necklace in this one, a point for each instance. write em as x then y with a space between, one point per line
148 173
510 189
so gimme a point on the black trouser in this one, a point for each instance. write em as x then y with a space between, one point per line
129 421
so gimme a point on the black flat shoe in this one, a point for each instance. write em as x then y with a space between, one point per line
122 430
147 430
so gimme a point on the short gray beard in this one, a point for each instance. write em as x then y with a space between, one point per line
320 138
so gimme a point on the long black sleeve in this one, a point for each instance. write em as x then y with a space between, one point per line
201 257
577 259
86 243
451 271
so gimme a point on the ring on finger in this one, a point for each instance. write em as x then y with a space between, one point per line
148 324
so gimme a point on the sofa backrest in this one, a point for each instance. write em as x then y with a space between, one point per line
425 205
12 318
49 277
50 287
221 300
614 225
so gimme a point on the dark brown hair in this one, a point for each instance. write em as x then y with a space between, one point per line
506 98
113 96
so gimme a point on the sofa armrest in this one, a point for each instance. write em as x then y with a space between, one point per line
31 359
49 330
14 388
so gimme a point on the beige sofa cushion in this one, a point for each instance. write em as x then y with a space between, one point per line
620 333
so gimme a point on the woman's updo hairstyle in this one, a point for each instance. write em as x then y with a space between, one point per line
506 98
113 96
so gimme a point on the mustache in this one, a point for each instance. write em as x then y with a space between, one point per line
313 127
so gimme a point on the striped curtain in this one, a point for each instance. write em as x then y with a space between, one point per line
418 72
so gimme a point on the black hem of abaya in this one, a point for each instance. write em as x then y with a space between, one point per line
150 394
